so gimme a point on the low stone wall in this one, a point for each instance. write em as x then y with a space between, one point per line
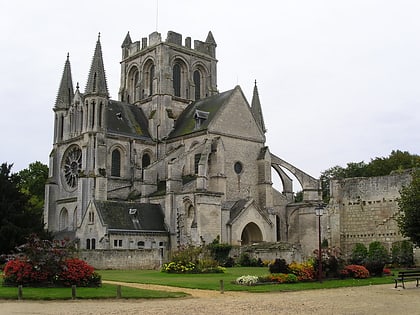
270 251
125 259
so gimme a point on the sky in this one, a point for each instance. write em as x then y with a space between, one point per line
339 81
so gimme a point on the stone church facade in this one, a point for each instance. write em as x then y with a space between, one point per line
172 162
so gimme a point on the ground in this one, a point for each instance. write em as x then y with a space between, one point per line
378 299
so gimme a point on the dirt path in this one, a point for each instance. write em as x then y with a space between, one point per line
379 299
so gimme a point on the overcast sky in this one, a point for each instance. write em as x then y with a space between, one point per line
339 81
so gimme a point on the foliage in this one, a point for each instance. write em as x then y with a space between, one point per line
43 262
17 218
359 254
279 278
409 203
303 271
380 166
402 254
220 252
192 259
354 271
377 258
247 280
246 261
279 266
332 261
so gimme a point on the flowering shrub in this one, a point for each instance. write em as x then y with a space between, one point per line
78 272
303 271
387 272
247 280
283 278
354 271
19 272
179 267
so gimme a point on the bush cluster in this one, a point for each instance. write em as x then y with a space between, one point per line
45 263
354 271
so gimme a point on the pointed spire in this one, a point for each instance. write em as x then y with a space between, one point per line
210 39
96 83
256 109
65 92
127 41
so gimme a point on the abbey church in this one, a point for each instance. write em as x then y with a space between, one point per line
173 161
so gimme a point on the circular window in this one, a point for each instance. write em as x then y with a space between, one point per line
238 167
71 166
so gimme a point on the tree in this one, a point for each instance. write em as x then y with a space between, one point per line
409 203
17 218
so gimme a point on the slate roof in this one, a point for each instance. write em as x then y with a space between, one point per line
117 215
126 119
186 122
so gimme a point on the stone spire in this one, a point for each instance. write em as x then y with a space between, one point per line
210 38
96 83
65 92
127 41
256 109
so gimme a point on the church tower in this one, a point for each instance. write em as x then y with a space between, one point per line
163 77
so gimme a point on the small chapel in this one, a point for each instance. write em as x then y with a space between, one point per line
173 162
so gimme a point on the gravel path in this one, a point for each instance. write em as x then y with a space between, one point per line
378 299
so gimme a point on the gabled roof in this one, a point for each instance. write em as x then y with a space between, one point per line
126 119
256 109
186 122
127 41
131 216
237 207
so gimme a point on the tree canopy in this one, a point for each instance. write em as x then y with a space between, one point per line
379 166
21 205
409 203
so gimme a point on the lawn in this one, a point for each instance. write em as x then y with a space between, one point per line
106 291
212 281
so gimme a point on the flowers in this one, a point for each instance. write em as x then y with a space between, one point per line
247 280
355 271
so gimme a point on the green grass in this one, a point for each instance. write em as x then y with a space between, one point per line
212 281
107 291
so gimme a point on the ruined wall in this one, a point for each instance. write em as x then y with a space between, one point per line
364 210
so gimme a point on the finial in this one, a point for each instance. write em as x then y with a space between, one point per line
68 56
77 86
255 82
99 36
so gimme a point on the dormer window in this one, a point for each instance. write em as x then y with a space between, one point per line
200 116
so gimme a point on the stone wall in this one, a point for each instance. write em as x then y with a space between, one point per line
125 259
364 210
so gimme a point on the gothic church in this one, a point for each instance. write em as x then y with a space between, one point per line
172 162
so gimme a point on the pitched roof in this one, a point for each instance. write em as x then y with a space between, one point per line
256 109
126 119
131 216
186 122
65 92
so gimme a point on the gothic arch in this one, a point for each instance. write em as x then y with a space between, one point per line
148 78
133 79
116 161
199 77
180 77
146 158
63 220
251 234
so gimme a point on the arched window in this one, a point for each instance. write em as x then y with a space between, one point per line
197 83
151 76
101 108
75 219
88 243
93 243
176 76
145 160
116 163
64 219
133 80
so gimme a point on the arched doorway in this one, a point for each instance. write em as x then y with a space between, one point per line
251 234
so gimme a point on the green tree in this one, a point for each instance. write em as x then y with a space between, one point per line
409 204
17 219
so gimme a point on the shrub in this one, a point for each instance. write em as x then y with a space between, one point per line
402 254
246 261
281 278
377 258
279 266
359 254
18 271
354 271
77 272
179 267
247 280
303 271
219 252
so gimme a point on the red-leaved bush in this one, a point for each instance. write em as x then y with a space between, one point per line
354 271
76 271
21 272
